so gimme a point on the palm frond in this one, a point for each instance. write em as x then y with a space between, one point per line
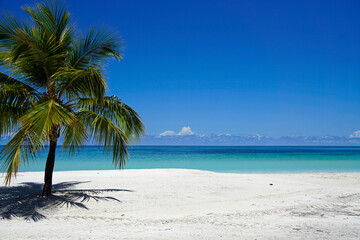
118 112
111 123
74 135
18 148
39 59
106 133
9 29
75 83
98 45
30 51
14 102
9 118
4 78
15 99
53 19
41 118
17 93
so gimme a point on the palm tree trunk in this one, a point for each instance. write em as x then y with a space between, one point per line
50 161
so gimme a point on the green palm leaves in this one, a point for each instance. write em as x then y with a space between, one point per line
54 83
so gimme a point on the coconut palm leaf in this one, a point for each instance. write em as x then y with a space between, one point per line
117 112
112 124
18 148
106 133
75 83
6 79
41 118
97 45
74 135
15 99
52 19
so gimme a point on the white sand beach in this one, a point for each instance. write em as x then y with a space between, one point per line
182 204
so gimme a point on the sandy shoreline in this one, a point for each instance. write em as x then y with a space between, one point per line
183 204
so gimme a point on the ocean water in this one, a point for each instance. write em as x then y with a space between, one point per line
218 159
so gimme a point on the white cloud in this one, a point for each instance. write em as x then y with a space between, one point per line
355 134
186 131
223 135
167 133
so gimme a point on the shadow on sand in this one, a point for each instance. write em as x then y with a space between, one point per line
25 201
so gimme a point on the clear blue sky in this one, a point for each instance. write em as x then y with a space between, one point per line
231 66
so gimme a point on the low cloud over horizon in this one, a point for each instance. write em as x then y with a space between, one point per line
355 134
187 137
184 131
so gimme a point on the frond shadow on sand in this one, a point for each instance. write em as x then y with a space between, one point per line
25 201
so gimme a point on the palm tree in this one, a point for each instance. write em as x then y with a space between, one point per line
53 87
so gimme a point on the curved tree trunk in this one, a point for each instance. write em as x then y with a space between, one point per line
50 161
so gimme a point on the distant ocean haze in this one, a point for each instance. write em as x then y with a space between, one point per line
211 158
252 140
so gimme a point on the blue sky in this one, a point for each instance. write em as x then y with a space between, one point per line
273 68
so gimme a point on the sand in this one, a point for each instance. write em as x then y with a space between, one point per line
182 204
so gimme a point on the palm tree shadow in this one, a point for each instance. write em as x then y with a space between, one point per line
25 201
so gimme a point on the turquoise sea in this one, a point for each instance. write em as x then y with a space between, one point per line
218 159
